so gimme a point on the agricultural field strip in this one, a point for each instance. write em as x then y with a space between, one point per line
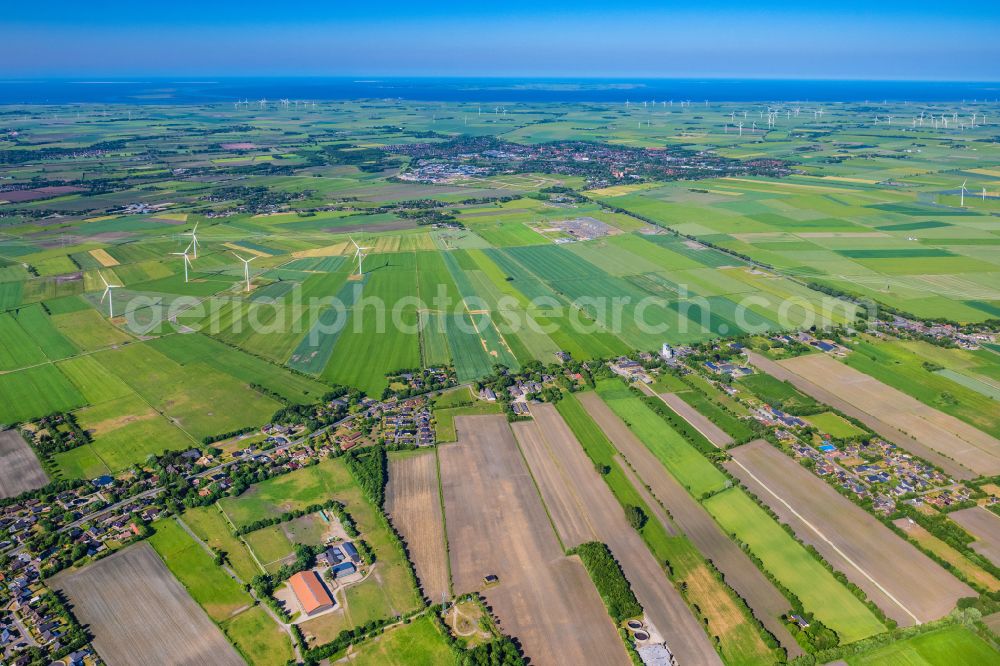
845 534
414 507
890 432
956 439
584 509
20 470
983 524
139 613
764 599
496 524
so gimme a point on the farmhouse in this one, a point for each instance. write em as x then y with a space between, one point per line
310 592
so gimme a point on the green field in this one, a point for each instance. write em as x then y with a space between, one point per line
34 392
270 547
778 393
688 466
834 424
258 638
185 349
289 492
211 527
199 399
418 643
948 645
214 591
793 567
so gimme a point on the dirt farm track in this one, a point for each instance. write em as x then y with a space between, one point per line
139 614
497 524
906 584
20 470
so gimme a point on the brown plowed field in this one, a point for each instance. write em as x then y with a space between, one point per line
20 470
583 509
139 613
414 507
906 584
766 602
985 526
496 524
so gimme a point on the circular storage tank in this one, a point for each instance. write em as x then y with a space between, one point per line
634 624
641 636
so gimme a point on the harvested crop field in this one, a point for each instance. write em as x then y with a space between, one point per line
139 613
906 584
496 524
764 599
985 526
20 470
414 507
884 428
712 432
956 439
583 509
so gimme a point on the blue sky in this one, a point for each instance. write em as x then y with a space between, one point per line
883 39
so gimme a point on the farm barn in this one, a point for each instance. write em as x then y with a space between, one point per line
312 595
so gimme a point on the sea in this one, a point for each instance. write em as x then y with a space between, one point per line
205 90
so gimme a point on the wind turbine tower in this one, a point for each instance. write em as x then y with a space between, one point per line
107 295
359 254
187 260
194 240
246 268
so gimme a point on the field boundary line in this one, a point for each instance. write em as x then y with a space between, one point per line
831 543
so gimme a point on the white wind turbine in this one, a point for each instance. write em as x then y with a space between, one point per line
187 260
246 268
359 254
962 193
194 240
107 294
